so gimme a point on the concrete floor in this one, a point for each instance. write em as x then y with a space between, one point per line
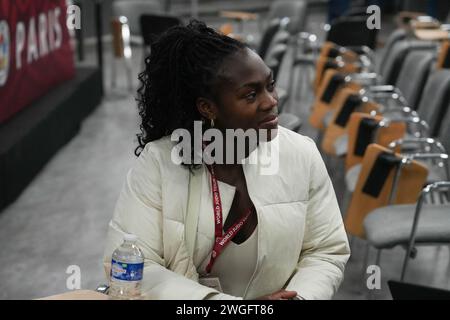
61 218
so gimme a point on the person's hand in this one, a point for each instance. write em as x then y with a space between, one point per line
279 295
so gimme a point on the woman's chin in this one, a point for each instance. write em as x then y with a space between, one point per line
272 124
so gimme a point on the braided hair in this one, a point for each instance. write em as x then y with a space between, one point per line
184 65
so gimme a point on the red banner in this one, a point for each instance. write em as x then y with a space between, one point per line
35 51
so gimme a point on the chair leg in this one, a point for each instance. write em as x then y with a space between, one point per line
114 73
442 198
365 263
372 295
377 262
346 201
299 84
411 243
320 137
448 264
405 265
351 241
326 159
308 92
129 70
309 74
292 84
145 54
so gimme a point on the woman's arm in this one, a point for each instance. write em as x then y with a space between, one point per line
325 248
139 211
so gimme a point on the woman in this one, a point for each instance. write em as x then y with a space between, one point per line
288 240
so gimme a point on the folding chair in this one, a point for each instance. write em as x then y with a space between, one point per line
274 58
385 178
323 64
363 130
132 10
152 26
335 138
121 50
439 145
410 225
352 31
443 61
333 82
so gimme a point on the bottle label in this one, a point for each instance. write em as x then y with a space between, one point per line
126 271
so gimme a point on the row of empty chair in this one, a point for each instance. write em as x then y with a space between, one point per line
389 120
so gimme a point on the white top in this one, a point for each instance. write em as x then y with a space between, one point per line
302 244
235 265
130 237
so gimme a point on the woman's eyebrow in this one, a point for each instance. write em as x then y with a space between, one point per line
255 84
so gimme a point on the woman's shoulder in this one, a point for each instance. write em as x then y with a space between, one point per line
294 141
158 150
156 157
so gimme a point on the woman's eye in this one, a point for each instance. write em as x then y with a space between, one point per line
251 96
272 85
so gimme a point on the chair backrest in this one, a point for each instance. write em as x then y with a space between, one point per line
375 184
324 63
414 5
435 99
331 50
328 91
391 67
349 61
348 102
443 61
133 9
275 57
153 25
352 31
438 9
397 35
413 75
269 32
119 42
295 10
281 36
357 9
444 131
363 129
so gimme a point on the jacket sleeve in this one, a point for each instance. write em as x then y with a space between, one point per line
325 249
139 211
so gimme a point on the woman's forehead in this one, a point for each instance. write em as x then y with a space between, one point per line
244 67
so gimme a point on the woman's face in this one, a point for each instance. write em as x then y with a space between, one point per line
246 94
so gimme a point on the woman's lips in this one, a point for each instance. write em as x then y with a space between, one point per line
271 122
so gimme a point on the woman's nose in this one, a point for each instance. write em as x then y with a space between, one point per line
270 100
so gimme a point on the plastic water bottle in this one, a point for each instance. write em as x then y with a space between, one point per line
127 268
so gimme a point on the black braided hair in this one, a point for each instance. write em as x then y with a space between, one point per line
183 65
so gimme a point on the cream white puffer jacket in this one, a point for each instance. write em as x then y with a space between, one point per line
302 244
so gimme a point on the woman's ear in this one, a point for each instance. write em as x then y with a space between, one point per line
207 108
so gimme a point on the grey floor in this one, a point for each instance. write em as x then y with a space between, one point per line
61 218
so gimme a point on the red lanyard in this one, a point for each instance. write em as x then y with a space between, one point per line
222 240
